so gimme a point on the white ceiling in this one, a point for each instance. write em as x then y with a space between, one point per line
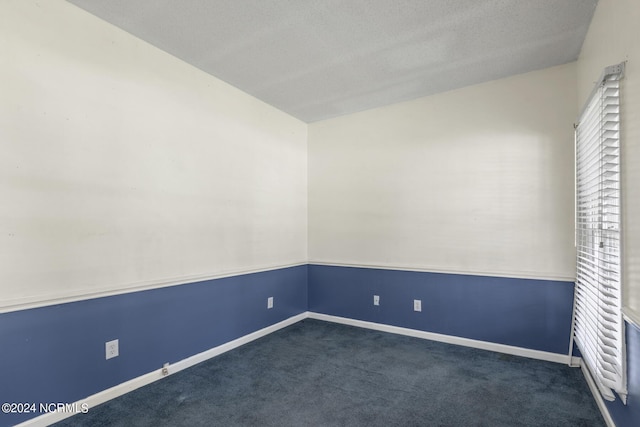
317 59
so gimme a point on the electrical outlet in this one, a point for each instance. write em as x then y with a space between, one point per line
111 349
376 300
270 302
417 305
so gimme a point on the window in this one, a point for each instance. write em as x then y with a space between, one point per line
598 323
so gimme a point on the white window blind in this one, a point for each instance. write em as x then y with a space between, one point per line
598 323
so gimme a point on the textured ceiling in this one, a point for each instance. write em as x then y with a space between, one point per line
317 59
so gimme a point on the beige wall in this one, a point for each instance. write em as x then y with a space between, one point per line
614 36
123 167
477 180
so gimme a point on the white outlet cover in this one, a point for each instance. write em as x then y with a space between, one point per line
111 349
270 302
417 305
376 300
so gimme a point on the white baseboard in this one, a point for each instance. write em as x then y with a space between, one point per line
449 339
121 389
135 383
597 396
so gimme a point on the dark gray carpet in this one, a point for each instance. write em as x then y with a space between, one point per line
316 373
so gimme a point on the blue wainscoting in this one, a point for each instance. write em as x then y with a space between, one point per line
532 314
629 415
57 353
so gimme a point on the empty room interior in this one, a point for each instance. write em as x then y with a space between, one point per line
320 212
